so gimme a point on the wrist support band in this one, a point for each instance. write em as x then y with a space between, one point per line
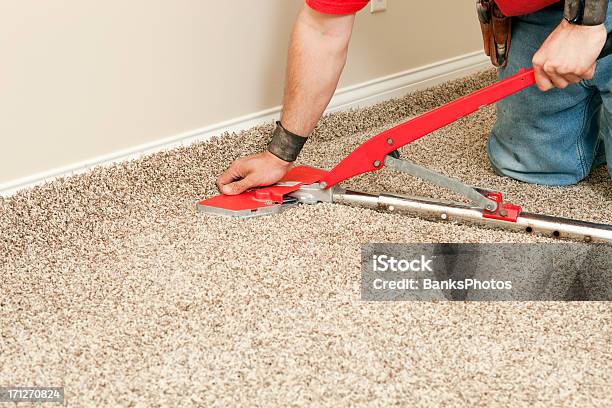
586 12
284 144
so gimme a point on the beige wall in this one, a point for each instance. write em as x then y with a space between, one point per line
83 78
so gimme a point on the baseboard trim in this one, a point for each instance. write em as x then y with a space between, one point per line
360 95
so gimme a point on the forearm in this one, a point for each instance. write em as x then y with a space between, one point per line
317 55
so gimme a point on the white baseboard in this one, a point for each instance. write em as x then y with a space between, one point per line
360 95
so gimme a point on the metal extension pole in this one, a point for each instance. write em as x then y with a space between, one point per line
555 227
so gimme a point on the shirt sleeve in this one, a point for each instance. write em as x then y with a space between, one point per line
337 6
513 8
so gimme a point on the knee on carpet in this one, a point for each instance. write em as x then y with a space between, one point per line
533 170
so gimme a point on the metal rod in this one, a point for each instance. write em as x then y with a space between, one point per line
555 227
471 193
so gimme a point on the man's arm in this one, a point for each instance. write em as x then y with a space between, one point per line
316 58
570 53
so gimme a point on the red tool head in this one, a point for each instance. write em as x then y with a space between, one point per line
262 201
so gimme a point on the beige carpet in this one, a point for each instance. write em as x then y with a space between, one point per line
114 287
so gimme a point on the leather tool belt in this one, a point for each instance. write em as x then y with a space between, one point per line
496 31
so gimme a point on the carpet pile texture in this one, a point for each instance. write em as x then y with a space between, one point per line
114 287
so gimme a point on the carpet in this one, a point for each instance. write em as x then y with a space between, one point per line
114 287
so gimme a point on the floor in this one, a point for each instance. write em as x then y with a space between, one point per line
114 287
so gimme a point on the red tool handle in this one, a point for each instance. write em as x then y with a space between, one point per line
370 156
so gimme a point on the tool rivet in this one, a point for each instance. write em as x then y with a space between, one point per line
443 216
390 141
323 184
269 202
503 213
376 163
391 208
587 238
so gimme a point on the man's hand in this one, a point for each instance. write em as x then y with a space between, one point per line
568 55
262 169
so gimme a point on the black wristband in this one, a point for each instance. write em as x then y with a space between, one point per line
586 12
284 144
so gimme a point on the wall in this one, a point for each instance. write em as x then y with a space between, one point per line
83 78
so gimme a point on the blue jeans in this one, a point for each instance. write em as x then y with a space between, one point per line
554 137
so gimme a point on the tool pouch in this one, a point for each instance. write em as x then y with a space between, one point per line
496 31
